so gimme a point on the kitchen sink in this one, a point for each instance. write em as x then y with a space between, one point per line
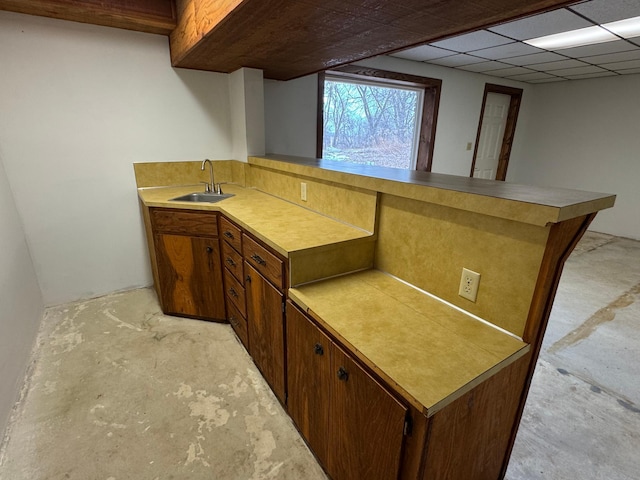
202 197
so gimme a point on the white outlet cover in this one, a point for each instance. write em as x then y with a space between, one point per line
469 282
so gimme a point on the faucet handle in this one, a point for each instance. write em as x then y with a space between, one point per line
207 187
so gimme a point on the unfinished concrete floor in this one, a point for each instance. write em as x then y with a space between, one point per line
117 390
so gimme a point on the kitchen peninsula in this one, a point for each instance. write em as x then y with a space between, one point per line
348 299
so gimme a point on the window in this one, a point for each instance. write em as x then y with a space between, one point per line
374 117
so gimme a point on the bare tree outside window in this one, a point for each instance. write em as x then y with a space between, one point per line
371 124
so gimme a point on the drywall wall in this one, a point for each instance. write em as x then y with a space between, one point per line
79 105
20 301
586 135
246 96
291 110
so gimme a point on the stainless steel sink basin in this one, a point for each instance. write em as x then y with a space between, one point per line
202 197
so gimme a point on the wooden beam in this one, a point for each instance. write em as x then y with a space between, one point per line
151 16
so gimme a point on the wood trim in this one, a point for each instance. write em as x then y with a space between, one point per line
562 239
509 130
320 115
430 105
150 16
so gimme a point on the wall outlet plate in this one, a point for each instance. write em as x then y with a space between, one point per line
469 284
303 191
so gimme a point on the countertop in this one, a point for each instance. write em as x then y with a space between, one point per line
430 351
284 226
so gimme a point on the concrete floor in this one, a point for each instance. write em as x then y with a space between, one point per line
117 390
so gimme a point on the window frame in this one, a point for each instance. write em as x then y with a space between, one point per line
431 100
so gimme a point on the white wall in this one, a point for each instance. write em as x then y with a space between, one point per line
246 94
20 301
79 104
290 110
586 135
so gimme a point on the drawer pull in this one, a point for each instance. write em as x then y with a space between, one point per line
318 350
248 279
231 262
258 259
233 292
343 374
228 234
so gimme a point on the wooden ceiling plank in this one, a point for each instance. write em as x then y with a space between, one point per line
150 16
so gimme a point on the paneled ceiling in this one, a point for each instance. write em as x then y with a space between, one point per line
499 50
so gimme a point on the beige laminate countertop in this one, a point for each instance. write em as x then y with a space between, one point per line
432 352
284 226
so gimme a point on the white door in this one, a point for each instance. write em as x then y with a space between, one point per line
494 120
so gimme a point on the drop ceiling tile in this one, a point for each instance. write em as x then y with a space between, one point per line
578 71
531 76
457 60
549 80
562 64
508 72
631 71
605 11
535 58
591 75
623 65
473 41
483 67
423 53
613 57
540 25
598 49
507 51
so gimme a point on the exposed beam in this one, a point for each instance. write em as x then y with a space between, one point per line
151 16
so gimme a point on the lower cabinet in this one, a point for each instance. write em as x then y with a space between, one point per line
187 255
265 325
351 422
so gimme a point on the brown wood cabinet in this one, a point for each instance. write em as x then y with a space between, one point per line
352 423
265 322
188 263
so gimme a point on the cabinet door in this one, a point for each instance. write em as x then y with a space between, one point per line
190 276
265 323
308 380
366 424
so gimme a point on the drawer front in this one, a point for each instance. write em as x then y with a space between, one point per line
234 292
238 323
233 261
231 234
263 261
184 222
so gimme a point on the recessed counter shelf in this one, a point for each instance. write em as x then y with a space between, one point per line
346 298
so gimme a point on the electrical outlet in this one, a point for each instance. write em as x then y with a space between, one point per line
303 191
469 284
469 146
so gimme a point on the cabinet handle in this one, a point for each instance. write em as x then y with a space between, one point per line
209 249
258 259
228 234
233 292
231 262
343 374
232 321
318 350
248 279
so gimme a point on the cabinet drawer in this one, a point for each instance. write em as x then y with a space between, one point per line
231 234
233 261
234 292
184 222
263 260
238 323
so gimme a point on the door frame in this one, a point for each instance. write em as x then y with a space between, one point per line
509 129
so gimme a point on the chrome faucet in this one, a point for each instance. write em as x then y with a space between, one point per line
211 187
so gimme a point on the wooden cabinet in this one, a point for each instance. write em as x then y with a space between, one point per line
188 263
265 321
351 422
234 279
